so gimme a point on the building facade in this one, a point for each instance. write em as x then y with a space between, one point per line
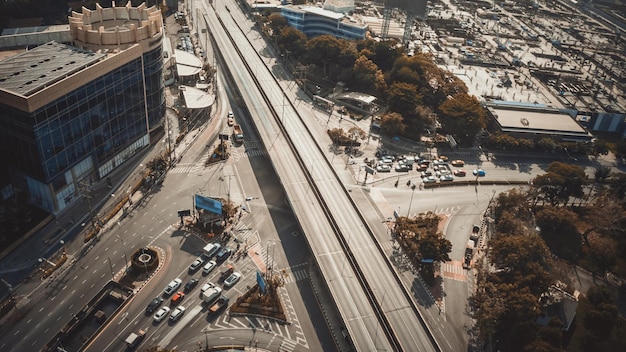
71 114
315 21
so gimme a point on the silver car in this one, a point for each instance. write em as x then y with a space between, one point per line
172 286
162 313
177 313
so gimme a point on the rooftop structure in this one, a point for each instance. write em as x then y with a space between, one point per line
534 123
71 114
315 21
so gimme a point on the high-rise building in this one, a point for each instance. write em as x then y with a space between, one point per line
71 114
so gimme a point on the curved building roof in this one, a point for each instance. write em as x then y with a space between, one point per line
187 64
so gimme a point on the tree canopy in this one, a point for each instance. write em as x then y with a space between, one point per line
463 117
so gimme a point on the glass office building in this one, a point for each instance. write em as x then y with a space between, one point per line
315 21
71 114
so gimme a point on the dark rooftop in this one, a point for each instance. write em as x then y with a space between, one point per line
35 69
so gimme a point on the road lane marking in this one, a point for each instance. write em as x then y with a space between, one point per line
101 276
53 297
106 249
40 309
82 283
74 291
96 258
95 271
70 307
15 333
46 331
29 320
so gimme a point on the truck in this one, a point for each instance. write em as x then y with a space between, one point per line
469 254
220 304
134 339
211 294
237 134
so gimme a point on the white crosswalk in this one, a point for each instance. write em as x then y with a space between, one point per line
245 234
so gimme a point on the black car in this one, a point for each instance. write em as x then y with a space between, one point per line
154 304
223 254
190 285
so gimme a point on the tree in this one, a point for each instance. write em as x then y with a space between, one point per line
525 261
558 229
292 40
602 252
391 124
367 77
323 50
384 53
403 98
561 182
434 246
463 117
277 23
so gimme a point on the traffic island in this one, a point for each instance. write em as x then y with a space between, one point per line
260 302
143 263
220 153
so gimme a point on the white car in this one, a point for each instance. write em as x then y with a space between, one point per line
429 179
383 168
161 313
177 313
209 266
196 264
172 286
207 286
232 279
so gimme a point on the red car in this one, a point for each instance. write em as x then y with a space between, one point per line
177 298
459 173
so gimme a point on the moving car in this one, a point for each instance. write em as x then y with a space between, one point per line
209 267
479 172
172 286
232 279
207 286
177 313
223 254
459 173
197 264
177 298
190 285
154 304
161 314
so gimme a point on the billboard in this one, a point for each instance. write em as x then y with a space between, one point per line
208 204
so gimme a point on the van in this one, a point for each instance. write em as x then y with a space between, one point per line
211 249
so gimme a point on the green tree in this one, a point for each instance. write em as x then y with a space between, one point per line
525 260
463 117
277 23
293 41
434 246
391 124
558 229
403 98
561 182
384 52
602 252
323 50
367 77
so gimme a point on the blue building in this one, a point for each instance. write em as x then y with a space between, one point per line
315 21
71 114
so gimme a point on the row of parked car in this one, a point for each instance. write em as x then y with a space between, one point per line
439 169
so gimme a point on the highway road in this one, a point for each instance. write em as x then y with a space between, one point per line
393 299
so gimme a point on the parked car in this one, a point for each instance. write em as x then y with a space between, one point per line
232 279
479 172
162 313
446 178
459 173
177 313
426 173
190 285
429 179
421 167
177 298
210 265
172 286
154 304
383 168
403 168
458 163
